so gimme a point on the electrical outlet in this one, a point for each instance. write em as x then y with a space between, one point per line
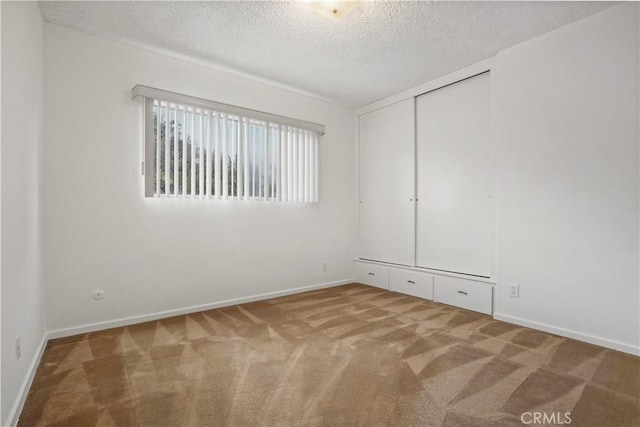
514 291
17 347
324 265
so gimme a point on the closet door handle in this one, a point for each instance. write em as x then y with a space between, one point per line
371 274
463 293
411 281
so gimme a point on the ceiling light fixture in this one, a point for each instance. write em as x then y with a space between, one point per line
333 9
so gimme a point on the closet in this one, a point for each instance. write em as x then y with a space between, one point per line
387 184
454 178
427 216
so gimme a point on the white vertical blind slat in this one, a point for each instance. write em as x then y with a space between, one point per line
253 160
300 178
303 169
239 157
304 179
310 165
217 168
311 157
245 133
167 149
264 173
301 154
158 149
278 161
316 168
192 166
225 161
294 160
231 143
257 163
305 166
273 131
185 127
289 165
282 196
175 150
209 149
201 160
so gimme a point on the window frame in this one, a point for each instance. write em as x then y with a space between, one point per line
305 134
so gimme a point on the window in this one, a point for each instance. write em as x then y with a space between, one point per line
202 149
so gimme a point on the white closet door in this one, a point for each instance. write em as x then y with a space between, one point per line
387 186
455 214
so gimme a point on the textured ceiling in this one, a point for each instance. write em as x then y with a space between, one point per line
379 49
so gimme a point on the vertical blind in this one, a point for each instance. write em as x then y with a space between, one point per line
212 153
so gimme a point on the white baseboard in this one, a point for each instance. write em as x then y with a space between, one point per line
603 342
16 410
92 327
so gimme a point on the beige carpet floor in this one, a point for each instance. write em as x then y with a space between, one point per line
344 356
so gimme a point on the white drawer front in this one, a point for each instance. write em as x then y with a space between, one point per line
374 275
411 283
462 293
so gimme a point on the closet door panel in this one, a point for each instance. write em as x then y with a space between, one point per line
387 184
455 214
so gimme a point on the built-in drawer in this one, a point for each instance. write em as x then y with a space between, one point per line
371 274
476 296
411 283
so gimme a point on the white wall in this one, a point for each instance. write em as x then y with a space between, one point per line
566 123
151 255
22 311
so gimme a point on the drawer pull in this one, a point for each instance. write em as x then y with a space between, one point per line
372 274
463 293
411 281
